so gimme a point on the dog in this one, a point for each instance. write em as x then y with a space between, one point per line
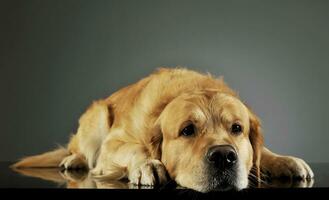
175 124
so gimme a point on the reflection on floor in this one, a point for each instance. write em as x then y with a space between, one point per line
83 179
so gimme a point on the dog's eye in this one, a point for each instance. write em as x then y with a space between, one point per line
236 128
188 130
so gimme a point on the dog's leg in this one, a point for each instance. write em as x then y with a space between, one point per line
275 166
119 159
75 160
94 126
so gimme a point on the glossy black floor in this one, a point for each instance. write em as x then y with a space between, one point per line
54 178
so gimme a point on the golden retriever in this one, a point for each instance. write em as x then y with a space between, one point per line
175 124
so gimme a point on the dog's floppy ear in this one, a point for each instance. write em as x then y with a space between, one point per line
256 140
155 142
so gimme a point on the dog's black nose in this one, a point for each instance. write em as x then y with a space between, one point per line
222 156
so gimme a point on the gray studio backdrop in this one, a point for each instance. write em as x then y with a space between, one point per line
58 55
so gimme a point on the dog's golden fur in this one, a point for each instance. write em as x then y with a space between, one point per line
134 133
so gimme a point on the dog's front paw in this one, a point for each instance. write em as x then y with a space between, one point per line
288 167
149 173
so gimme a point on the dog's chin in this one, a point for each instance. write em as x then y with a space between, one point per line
211 179
217 183
221 185
234 182
212 187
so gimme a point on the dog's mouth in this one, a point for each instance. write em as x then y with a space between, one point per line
224 181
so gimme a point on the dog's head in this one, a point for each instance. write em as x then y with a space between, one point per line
210 141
